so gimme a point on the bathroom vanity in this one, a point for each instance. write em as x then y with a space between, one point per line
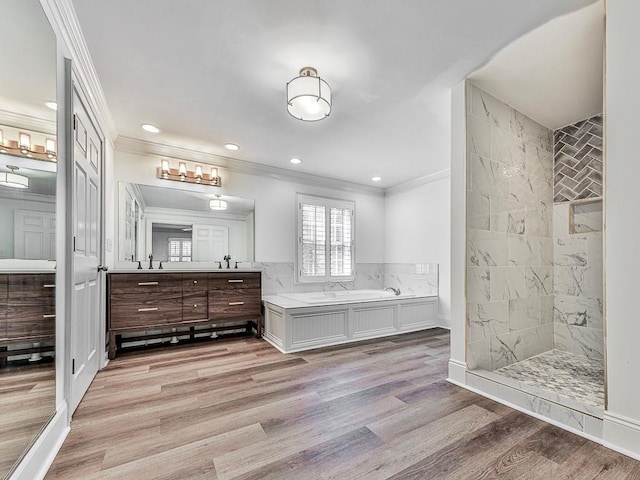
140 301
27 312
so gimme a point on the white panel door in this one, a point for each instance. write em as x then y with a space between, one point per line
86 226
210 243
34 235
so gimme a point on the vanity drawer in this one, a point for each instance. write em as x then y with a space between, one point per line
31 285
238 302
145 283
28 320
145 310
225 281
194 307
194 282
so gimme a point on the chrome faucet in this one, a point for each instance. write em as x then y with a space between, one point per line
394 290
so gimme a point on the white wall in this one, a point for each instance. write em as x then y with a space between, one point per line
7 212
622 229
417 227
275 204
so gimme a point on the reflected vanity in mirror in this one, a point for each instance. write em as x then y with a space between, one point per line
28 169
177 226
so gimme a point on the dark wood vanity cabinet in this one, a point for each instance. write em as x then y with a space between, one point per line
27 308
145 301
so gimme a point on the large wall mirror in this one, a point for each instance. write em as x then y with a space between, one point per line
178 226
28 228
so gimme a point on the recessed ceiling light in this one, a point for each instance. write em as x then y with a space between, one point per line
147 127
376 179
231 146
295 161
52 105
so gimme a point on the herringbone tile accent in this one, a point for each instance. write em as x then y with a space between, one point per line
578 161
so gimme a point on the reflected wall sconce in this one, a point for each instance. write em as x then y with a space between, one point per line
20 144
308 96
13 179
217 203
183 174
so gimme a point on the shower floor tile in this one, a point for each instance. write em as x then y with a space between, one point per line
574 376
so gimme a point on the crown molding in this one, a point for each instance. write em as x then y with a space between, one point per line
22 196
152 212
143 147
64 21
417 182
27 122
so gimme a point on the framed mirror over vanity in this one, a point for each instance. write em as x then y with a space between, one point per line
28 172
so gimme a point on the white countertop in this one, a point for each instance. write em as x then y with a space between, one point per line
189 270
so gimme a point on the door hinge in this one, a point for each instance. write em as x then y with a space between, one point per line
73 366
75 122
74 243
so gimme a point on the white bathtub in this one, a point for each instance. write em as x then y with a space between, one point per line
343 296
302 321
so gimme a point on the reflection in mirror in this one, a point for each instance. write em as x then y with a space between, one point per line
183 226
27 234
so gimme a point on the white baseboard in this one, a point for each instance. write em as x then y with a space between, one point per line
457 372
621 434
36 462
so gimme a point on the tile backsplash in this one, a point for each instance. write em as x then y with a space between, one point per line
417 278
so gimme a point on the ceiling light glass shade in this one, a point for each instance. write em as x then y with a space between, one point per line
308 96
24 140
182 169
50 147
13 180
217 204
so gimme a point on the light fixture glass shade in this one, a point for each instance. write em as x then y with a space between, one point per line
13 180
199 171
164 166
1 139
50 147
217 204
24 141
308 96
182 169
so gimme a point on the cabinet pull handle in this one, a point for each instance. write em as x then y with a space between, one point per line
235 281
50 286
48 316
150 309
194 321
235 303
145 284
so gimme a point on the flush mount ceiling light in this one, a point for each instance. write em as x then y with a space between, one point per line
308 96
217 203
147 127
231 146
13 179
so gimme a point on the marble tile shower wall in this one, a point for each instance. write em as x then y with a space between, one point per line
577 258
509 234
417 278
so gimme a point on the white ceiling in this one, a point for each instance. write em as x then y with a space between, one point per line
157 197
210 72
561 81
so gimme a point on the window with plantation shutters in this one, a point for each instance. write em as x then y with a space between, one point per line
325 239
179 250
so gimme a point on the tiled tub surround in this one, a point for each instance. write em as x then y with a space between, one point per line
416 278
509 234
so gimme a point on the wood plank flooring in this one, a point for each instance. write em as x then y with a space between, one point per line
27 401
238 409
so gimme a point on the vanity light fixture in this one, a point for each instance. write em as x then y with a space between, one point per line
217 203
13 179
13 142
184 174
308 96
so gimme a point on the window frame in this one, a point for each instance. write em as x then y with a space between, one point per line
180 240
328 204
